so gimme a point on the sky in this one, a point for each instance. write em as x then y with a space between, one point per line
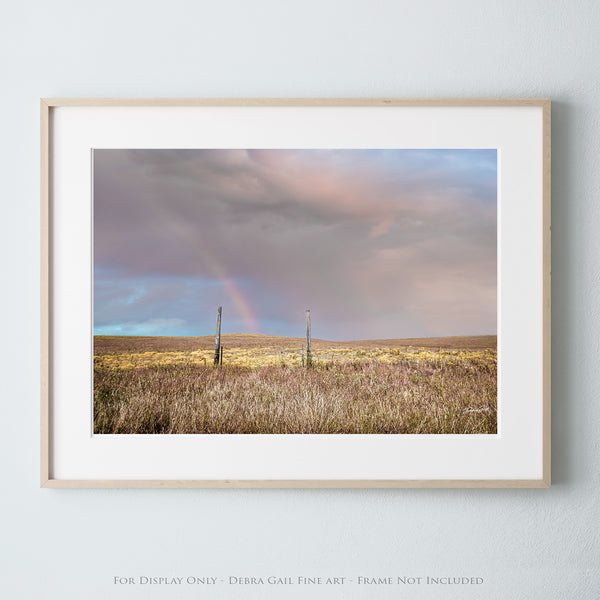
376 243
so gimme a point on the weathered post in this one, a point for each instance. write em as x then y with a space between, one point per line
221 357
308 352
218 337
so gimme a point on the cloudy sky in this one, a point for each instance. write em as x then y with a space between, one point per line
377 243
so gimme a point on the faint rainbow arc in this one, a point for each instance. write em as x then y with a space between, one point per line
240 303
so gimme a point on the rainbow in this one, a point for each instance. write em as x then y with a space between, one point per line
240 303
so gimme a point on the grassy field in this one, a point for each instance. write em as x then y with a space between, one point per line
169 385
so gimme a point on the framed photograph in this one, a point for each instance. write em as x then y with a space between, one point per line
295 293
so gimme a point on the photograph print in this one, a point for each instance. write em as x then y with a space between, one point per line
295 291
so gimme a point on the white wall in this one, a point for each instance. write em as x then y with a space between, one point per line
534 544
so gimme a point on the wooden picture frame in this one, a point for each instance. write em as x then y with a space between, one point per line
62 122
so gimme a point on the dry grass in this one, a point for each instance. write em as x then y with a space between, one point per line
168 385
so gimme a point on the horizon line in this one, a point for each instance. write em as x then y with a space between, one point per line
297 337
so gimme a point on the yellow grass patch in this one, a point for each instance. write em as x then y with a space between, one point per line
255 358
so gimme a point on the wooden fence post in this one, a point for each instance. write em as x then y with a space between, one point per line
221 356
308 352
218 337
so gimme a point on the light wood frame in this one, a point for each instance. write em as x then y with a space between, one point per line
46 478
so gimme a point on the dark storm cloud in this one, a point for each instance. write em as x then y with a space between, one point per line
378 243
